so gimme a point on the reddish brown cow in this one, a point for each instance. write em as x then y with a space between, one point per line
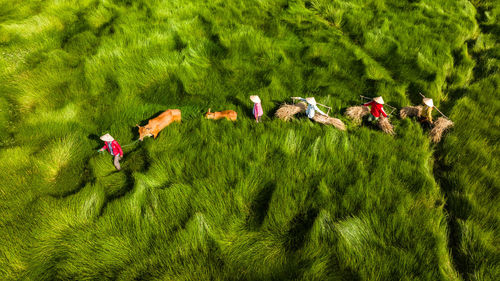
157 124
228 114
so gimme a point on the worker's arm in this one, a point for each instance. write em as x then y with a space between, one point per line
298 98
102 148
383 112
368 103
319 110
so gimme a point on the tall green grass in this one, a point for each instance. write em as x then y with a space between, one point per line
216 200
468 167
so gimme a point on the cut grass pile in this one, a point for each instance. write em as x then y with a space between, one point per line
216 200
411 111
356 113
287 112
439 128
385 125
328 120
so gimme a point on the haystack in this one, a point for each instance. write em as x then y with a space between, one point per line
356 113
411 111
327 120
385 125
440 126
287 111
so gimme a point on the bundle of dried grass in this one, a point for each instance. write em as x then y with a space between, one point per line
385 125
327 120
356 113
442 124
411 111
287 111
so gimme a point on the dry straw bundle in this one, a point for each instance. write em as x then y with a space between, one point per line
411 111
356 113
441 125
327 120
287 111
385 126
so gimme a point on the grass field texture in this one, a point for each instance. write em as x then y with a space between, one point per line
216 200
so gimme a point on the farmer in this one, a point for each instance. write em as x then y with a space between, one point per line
311 107
377 108
114 148
427 111
257 108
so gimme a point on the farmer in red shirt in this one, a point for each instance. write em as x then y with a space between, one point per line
114 148
377 108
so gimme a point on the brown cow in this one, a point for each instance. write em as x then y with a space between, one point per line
157 124
228 114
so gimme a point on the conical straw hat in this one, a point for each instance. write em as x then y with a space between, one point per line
428 102
379 100
107 137
255 99
311 100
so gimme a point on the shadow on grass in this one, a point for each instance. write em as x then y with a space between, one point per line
272 112
137 160
456 208
260 206
247 110
95 138
127 187
300 226
86 178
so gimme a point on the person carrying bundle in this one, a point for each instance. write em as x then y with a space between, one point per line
312 107
377 108
437 128
424 115
315 114
427 111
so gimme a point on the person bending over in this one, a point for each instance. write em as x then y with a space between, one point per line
111 145
312 108
377 109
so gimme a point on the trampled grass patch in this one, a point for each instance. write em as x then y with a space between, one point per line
220 200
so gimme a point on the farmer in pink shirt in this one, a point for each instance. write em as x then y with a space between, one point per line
114 148
257 108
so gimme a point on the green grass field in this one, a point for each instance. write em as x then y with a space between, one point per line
216 200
